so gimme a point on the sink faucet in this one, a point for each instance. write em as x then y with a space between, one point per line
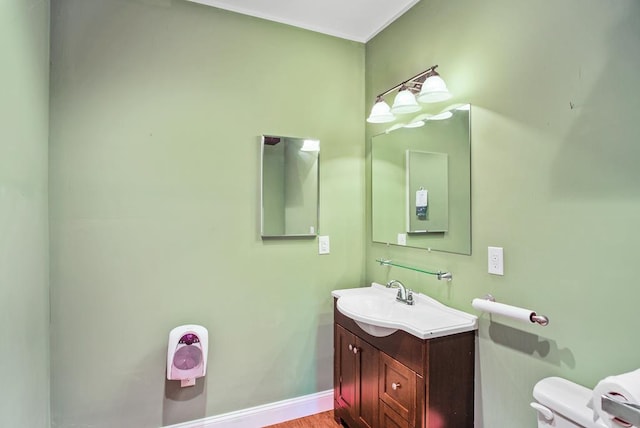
404 295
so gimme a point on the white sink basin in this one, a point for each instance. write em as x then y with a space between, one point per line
377 312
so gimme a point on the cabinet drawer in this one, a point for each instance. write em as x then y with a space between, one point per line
398 388
390 419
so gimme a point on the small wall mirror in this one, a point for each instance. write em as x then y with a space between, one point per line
421 184
289 186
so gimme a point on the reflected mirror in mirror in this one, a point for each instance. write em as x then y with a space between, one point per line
289 186
428 186
421 183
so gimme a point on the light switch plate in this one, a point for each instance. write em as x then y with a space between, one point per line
323 245
496 260
402 239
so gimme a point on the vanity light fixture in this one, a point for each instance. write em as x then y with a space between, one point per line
427 84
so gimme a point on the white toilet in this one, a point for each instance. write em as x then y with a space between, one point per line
564 404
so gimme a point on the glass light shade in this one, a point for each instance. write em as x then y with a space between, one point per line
434 90
405 102
381 113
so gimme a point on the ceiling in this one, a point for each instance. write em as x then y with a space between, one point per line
357 20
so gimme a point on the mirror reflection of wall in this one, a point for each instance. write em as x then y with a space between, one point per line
289 188
436 157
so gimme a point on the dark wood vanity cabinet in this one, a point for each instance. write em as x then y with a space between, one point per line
356 378
401 381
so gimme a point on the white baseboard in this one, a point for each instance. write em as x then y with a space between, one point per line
267 414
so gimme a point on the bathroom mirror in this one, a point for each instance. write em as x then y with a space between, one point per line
421 184
289 186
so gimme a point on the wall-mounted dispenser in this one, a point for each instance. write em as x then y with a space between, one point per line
187 354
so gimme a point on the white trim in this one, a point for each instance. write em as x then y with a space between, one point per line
267 414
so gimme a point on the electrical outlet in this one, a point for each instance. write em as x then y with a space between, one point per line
323 245
496 261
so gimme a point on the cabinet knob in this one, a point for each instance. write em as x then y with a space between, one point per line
350 347
395 386
355 350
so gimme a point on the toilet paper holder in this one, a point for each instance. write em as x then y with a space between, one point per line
488 303
621 409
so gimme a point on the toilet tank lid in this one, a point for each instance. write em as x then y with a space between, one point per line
569 399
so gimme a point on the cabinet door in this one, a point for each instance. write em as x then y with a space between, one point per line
367 363
355 380
345 369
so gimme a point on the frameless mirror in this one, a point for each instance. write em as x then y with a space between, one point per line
421 183
289 186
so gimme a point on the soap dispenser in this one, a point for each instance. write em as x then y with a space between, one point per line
187 354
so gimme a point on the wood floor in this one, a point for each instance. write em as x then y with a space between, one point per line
320 420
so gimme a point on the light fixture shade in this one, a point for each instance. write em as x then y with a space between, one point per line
381 113
434 90
405 102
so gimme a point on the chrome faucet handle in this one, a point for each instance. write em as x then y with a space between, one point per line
409 297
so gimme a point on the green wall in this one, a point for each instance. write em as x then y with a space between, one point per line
24 264
555 181
156 110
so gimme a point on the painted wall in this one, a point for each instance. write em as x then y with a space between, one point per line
555 154
157 108
24 242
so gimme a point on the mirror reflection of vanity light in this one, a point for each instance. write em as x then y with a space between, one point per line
394 127
310 146
442 116
422 118
415 124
